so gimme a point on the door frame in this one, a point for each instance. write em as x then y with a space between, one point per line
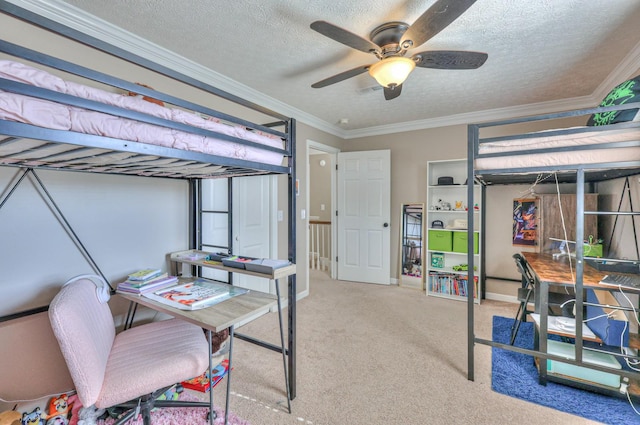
333 152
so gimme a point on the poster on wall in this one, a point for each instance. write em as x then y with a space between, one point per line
525 222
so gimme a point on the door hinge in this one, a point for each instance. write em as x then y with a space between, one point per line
336 213
336 258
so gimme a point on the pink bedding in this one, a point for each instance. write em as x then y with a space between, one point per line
43 113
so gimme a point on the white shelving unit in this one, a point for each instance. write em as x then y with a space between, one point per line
447 246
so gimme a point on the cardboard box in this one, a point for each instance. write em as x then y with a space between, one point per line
460 242
440 240
563 349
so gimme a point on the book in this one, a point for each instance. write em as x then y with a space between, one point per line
140 283
201 383
144 274
154 284
197 294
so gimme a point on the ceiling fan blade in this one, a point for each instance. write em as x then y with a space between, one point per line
450 59
345 37
340 77
434 20
392 93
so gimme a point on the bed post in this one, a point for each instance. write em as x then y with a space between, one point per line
472 135
292 257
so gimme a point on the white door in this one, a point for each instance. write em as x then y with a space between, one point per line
364 215
254 232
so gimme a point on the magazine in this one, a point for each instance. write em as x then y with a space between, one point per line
194 295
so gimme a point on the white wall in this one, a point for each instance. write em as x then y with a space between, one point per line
126 223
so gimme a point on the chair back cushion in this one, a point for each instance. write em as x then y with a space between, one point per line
85 331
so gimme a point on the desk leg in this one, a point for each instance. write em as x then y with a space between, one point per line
226 406
282 346
544 321
212 412
131 312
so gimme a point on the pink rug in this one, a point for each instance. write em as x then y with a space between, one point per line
183 415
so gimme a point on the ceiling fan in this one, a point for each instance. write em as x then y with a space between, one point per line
390 42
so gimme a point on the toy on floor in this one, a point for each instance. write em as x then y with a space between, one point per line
10 417
74 405
89 415
33 418
172 393
58 406
58 420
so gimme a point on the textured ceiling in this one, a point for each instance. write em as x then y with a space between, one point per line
543 55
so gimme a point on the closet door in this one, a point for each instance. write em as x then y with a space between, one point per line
254 235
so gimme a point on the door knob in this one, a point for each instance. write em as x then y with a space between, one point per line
385 225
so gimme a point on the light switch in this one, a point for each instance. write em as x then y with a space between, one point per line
303 214
321 207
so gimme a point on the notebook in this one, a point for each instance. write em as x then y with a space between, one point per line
628 281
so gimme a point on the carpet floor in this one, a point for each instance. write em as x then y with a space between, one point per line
515 374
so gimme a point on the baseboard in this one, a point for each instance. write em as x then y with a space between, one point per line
501 297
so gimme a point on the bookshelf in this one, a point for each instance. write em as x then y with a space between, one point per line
446 236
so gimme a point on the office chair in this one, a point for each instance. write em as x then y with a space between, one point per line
527 292
130 369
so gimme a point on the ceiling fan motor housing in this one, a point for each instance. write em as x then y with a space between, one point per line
388 36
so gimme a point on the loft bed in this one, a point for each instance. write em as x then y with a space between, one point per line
574 154
58 115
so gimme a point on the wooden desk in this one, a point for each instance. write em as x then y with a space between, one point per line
215 318
557 272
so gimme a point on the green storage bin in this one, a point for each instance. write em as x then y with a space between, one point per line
594 250
460 242
440 240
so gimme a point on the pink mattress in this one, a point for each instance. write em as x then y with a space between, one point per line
43 113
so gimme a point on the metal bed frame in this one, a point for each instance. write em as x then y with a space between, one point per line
575 173
142 156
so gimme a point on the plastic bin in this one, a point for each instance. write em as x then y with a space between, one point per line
440 240
460 242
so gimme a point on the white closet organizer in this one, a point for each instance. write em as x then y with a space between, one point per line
447 209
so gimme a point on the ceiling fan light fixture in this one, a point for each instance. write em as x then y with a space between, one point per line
393 71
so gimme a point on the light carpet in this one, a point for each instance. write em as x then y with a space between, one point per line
515 374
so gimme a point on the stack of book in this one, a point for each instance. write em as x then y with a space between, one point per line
201 383
146 280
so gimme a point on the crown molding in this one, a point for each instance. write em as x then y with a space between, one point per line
478 117
626 69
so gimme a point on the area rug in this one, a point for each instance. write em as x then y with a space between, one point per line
515 375
183 415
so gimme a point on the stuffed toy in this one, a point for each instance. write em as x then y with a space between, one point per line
89 415
147 98
58 420
75 405
10 417
58 406
33 418
217 339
